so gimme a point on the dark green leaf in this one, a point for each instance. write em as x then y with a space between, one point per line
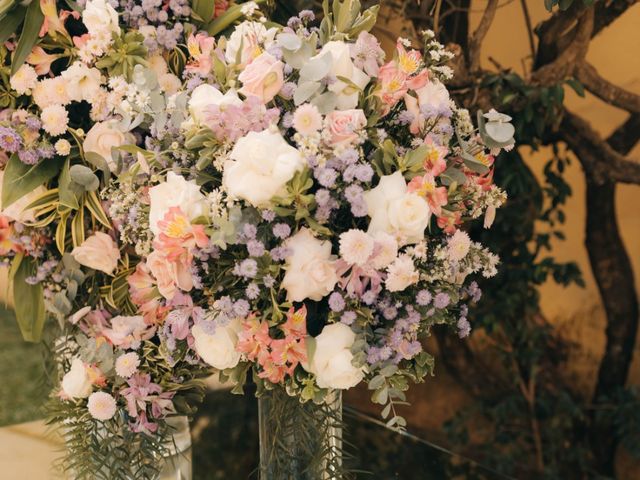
32 23
28 299
20 179
9 24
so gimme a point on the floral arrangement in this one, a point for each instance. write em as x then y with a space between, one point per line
188 188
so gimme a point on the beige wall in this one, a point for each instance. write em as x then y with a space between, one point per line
616 55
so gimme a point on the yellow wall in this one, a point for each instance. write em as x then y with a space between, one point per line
615 54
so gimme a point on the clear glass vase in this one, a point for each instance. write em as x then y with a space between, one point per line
299 441
176 465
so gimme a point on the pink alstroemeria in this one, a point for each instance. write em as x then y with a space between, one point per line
200 48
449 221
52 23
254 339
41 60
425 186
177 233
356 279
434 161
392 84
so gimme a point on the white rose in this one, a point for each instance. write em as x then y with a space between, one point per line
99 252
260 165
219 349
206 95
16 210
248 36
310 271
100 18
76 383
332 357
82 82
396 211
402 273
126 330
104 136
175 192
342 66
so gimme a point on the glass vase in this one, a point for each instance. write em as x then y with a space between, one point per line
176 464
300 441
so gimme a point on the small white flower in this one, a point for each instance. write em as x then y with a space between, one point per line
55 120
127 364
356 247
402 273
24 79
459 244
249 8
307 119
76 382
102 406
63 147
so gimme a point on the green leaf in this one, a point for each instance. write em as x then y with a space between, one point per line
84 176
28 299
204 9
20 179
10 23
576 85
68 196
32 23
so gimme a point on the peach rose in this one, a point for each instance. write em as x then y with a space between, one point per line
343 125
262 78
170 275
99 252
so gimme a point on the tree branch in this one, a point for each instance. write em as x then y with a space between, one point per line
565 63
605 90
601 162
626 136
475 42
608 11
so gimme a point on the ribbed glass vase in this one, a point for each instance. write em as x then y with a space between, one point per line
176 465
299 441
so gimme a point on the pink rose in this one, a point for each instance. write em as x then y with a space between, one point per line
170 275
262 78
343 125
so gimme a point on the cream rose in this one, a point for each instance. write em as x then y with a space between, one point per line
332 358
262 78
342 66
99 252
219 349
76 383
396 211
100 18
176 191
260 165
104 136
343 125
310 271
82 82
169 275
434 97
205 95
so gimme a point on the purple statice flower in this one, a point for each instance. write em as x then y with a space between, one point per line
252 291
248 268
378 354
390 313
287 91
268 281
474 292
208 326
364 173
268 215
249 230
279 253
28 157
306 15
441 300
423 298
336 302
353 193
10 141
369 297
359 208
323 197
464 310
348 318
464 327
287 120
255 248
294 22
33 123
281 230
326 176
323 213
241 308
405 117
349 156
46 151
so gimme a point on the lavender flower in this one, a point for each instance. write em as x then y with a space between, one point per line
348 318
248 268
336 302
441 300
252 291
464 327
423 298
255 248
10 141
281 230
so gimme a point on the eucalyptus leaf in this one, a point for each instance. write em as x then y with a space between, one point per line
305 91
84 176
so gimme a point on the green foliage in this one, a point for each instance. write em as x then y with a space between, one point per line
28 299
32 22
20 179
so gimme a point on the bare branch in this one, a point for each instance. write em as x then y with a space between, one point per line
565 63
626 136
602 163
608 11
606 90
475 42
527 20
